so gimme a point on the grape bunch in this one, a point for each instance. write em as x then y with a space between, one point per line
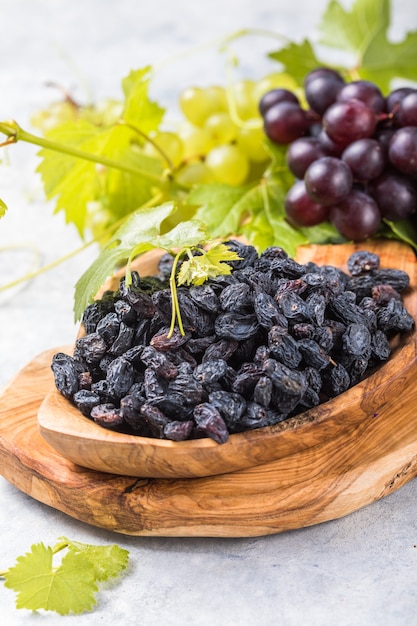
220 138
352 150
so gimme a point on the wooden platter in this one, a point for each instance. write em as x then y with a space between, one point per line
335 459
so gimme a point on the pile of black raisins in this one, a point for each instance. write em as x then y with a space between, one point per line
270 340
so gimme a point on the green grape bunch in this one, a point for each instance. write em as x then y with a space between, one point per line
220 138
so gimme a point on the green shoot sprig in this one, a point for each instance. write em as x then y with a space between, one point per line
200 265
66 587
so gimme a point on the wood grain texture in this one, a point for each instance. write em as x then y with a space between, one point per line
320 468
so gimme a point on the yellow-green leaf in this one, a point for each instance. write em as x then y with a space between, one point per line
70 588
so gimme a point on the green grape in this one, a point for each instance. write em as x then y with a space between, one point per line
170 144
228 164
251 141
218 98
196 141
220 127
197 104
244 99
194 173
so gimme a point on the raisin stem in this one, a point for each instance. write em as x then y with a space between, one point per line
176 313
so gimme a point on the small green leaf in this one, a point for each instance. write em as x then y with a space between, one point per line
298 59
3 208
70 588
209 264
108 561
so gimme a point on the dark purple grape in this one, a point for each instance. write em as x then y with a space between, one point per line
284 122
332 148
383 136
315 129
366 92
366 158
321 91
328 181
395 195
328 72
345 122
301 153
274 97
357 217
301 209
395 97
407 111
403 149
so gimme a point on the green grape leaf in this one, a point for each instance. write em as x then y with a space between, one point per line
352 30
322 233
184 235
268 226
69 588
3 208
262 233
361 34
73 181
255 211
122 192
138 234
402 230
399 61
108 561
139 110
209 264
297 58
77 183
364 32
218 207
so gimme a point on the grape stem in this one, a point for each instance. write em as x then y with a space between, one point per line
15 133
146 137
222 43
175 305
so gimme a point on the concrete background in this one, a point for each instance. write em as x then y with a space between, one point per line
360 570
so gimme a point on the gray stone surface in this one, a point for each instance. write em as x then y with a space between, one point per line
359 570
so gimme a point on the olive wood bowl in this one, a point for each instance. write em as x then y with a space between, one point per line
362 417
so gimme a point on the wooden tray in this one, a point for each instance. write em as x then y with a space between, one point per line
339 471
